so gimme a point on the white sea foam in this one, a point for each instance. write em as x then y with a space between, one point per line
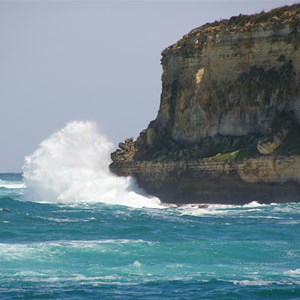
286 209
294 273
222 209
137 264
12 184
48 277
254 204
253 282
208 209
46 250
71 166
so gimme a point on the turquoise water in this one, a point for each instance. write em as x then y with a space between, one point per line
101 251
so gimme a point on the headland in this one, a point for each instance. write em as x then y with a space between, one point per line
228 125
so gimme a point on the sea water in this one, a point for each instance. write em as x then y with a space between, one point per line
71 230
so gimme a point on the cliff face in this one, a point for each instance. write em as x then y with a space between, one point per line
231 79
231 92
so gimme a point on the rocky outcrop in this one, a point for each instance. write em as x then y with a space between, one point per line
230 108
268 147
126 151
215 180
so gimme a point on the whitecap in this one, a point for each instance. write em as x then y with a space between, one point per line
137 264
252 282
12 184
254 204
208 209
294 273
287 209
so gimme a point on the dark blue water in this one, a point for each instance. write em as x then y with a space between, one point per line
101 251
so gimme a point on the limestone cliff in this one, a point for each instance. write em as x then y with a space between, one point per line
227 129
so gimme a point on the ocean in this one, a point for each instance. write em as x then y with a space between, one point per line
71 230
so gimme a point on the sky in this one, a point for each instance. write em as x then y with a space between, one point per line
62 61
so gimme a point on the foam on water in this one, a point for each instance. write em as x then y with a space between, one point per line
71 166
295 272
220 209
11 184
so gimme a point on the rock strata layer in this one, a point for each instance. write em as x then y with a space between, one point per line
227 130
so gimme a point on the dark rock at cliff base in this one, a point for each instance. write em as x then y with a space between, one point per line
227 130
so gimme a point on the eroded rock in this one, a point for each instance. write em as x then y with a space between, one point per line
126 152
270 146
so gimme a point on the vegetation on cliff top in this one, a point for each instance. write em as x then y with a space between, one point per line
276 18
285 14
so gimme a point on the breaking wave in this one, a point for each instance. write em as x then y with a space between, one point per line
71 166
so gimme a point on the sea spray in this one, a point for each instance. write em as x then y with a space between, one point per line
71 166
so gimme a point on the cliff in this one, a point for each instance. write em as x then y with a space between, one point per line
227 129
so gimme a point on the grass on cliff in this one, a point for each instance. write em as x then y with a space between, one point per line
276 17
249 151
231 156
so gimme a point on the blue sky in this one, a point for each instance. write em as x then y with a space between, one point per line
90 60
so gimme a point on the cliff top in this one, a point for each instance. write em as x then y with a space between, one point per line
276 19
